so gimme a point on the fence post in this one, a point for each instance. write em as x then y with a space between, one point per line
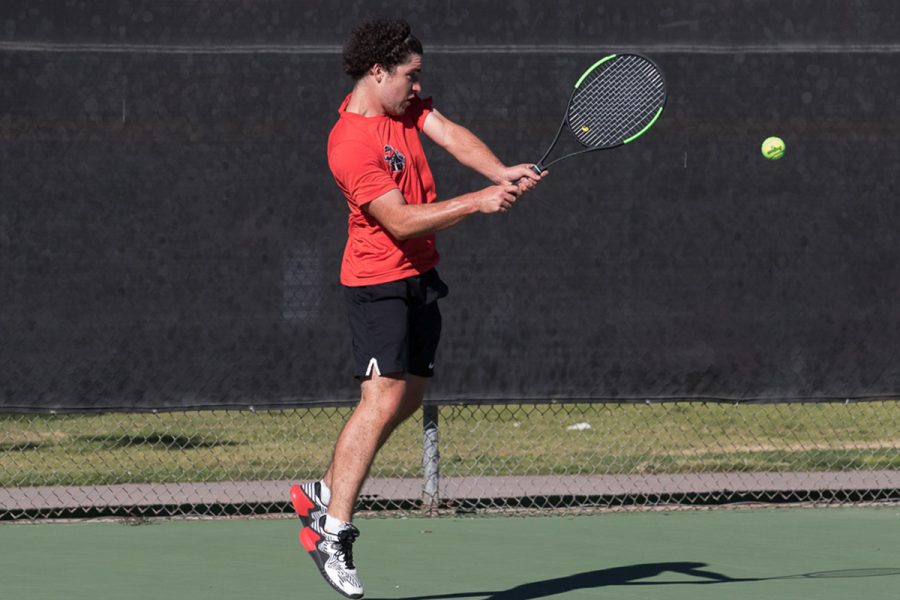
430 458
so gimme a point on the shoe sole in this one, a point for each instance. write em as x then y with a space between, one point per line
309 539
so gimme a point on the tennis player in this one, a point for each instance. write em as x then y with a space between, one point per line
388 270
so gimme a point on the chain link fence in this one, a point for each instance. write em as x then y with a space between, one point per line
477 458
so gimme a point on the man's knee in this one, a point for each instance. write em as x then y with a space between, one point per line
395 396
382 392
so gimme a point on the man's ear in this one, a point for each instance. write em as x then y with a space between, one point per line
378 72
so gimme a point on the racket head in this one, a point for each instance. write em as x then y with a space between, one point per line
616 100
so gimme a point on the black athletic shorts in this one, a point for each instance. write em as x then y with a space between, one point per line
396 326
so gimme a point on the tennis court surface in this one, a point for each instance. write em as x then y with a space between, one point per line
822 554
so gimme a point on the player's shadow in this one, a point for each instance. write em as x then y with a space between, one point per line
634 575
618 576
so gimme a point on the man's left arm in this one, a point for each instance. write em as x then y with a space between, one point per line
470 151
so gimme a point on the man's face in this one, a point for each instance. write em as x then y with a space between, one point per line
400 86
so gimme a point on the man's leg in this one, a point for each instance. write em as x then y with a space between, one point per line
385 402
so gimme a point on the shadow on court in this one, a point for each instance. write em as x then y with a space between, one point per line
632 575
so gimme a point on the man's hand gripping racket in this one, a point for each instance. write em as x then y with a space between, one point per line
614 102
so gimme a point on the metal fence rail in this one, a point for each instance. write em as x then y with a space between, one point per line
501 457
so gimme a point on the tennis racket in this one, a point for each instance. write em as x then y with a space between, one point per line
616 101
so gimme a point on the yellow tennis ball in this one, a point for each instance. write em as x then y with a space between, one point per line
773 148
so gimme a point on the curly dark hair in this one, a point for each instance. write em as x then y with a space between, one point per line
387 42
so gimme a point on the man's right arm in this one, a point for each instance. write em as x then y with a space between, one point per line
405 221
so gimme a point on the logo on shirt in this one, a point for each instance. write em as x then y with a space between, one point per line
394 159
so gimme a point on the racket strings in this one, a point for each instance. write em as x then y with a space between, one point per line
616 102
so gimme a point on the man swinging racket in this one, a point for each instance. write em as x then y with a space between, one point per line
388 270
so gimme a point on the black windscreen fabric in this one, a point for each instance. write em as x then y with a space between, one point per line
170 236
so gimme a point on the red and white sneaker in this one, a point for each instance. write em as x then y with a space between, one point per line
333 555
307 501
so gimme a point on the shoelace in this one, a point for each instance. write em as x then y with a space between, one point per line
346 537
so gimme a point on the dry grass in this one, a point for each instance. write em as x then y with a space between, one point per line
487 440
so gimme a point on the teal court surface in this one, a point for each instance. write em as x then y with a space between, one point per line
734 554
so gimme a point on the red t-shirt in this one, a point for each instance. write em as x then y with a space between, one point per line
370 156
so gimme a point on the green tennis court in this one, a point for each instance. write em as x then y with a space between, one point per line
823 554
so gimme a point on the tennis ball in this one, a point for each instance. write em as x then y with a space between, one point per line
773 148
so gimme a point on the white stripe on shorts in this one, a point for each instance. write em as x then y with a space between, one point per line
373 364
